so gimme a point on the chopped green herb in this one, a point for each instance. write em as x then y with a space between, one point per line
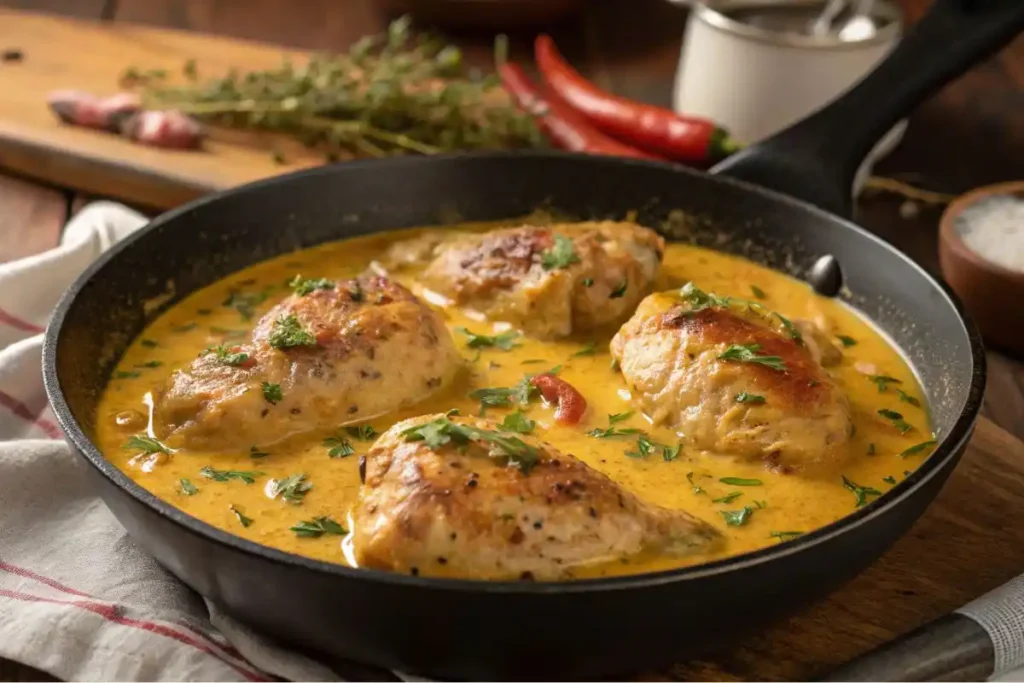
861 492
696 488
760 504
588 282
644 446
245 521
889 480
203 311
518 422
303 286
245 302
181 329
227 356
257 453
355 292
907 398
126 374
919 448
225 475
292 488
846 341
441 431
614 365
790 328
561 255
738 481
497 397
533 361
504 341
150 364
588 349
228 334
785 535
187 487
883 381
670 453
148 343
339 446
728 498
620 290
744 397
871 449
145 445
363 432
699 299
615 418
747 353
453 412
272 392
611 430
189 69
288 333
737 517
758 292
896 419
318 527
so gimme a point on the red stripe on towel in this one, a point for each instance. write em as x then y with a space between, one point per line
21 410
27 574
19 324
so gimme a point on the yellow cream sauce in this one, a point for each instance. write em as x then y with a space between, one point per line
782 503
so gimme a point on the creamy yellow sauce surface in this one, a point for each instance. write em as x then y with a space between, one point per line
780 506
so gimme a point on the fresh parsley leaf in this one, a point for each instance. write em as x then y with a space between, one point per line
790 328
288 333
696 488
919 448
883 381
758 292
303 286
245 302
785 535
187 488
615 418
272 392
737 517
612 430
339 446
747 353
245 521
498 397
896 419
363 432
871 449
846 341
620 290
561 255
738 481
518 422
150 364
181 329
228 356
699 299
728 498
145 445
889 480
225 475
203 311
148 343
670 453
504 341
292 488
588 349
256 453
644 446
907 398
745 397
126 374
588 282
441 431
861 492
533 361
317 527
227 334
760 504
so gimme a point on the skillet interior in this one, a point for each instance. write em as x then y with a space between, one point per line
496 630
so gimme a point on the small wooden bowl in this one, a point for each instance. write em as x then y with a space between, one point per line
993 294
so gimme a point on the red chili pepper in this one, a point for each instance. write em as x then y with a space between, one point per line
570 403
171 129
651 128
567 128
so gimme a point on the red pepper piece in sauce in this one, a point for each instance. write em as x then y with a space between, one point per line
570 404
655 129
566 128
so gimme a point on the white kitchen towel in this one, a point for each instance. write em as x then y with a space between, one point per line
78 598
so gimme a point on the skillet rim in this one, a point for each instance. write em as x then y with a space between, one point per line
948 448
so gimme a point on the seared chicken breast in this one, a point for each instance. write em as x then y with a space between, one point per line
735 379
330 354
548 281
457 496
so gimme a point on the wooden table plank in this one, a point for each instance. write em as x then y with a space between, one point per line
31 217
81 9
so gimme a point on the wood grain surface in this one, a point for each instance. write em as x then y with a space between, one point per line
972 133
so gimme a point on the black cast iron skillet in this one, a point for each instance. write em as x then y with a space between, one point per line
488 630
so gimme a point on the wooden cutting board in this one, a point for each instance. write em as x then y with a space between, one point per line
63 53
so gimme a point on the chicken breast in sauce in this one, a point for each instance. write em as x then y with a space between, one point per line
457 496
330 354
548 281
735 378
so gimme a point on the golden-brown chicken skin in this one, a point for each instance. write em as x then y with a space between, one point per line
339 353
549 281
735 381
465 508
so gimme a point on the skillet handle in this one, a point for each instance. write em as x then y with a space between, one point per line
816 159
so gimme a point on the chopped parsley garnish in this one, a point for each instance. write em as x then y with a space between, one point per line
696 488
620 290
670 453
228 334
883 381
288 333
644 446
739 481
861 492
318 527
533 361
227 356
760 504
225 475
785 535
126 374
747 353
889 480
245 521
503 397
699 299
355 292
339 446
303 286
245 302
437 433
561 255
504 341
919 448
148 343
272 392
758 292
896 419
181 329
257 453
203 311
728 498
588 349
588 282
145 444
907 398
745 397
846 341
611 430
364 432
518 422
871 449
292 488
790 328
187 488
150 364
737 517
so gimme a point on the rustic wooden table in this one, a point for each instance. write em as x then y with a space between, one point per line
971 134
